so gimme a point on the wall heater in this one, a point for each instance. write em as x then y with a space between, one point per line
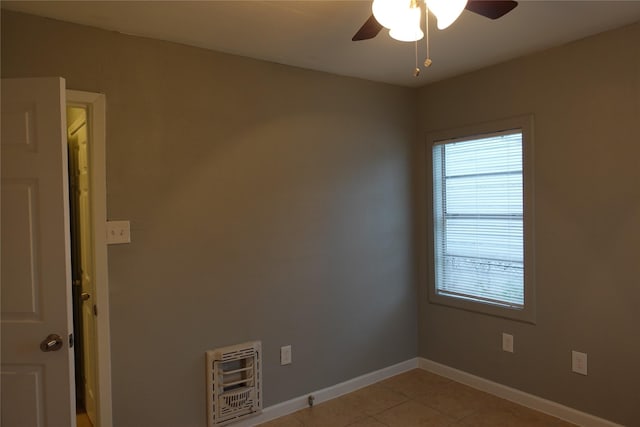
234 383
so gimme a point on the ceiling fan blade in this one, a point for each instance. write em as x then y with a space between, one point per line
492 9
369 30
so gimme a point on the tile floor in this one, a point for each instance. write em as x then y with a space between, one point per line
417 398
82 420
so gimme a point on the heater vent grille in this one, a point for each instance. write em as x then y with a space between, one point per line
234 383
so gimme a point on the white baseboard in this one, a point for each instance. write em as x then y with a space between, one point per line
525 399
301 402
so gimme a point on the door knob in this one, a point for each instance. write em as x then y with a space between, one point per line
51 343
85 296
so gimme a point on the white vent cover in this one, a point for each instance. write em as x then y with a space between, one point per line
234 383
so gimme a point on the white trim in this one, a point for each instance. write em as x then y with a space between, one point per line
525 399
301 402
525 123
95 103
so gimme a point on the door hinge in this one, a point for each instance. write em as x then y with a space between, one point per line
95 310
71 340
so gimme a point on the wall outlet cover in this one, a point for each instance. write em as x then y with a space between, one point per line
285 355
579 362
507 342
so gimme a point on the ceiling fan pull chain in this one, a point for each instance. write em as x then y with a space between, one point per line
416 71
427 61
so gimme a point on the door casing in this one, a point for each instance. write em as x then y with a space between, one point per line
95 104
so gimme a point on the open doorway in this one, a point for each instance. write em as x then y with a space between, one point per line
36 233
86 138
82 271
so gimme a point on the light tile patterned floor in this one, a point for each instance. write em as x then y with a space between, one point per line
417 398
83 420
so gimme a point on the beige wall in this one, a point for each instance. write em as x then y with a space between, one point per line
585 98
266 202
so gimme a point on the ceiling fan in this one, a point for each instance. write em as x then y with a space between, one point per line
492 9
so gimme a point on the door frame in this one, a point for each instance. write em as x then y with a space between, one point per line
95 104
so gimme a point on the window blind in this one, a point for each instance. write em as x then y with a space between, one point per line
478 219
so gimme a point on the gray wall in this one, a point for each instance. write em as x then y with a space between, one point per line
291 190
585 98
266 202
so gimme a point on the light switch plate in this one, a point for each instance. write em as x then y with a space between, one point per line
118 232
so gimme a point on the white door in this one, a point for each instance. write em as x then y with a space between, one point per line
80 188
37 368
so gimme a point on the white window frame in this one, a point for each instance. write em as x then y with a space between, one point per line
525 125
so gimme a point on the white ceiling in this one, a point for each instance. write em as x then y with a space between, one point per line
317 34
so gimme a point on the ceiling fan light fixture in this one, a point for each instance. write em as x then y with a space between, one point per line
446 11
390 13
408 30
406 34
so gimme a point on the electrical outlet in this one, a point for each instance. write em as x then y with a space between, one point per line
579 362
285 355
507 342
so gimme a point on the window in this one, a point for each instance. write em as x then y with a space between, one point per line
481 239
